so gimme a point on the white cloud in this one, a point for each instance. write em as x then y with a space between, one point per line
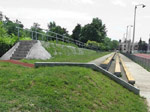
134 3
88 1
119 3
83 1
65 18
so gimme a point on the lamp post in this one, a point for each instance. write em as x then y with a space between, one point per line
128 30
134 24
128 41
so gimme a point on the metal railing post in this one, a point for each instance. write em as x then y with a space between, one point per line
42 37
32 35
36 35
56 39
18 33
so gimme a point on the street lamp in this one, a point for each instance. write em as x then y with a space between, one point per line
134 24
128 41
128 30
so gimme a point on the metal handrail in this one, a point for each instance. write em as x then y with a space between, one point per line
69 40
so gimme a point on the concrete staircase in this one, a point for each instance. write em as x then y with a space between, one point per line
23 49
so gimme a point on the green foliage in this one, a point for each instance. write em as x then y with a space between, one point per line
105 46
65 52
25 38
115 44
63 89
76 32
142 46
63 43
57 29
36 28
11 26
6 43
2 30
107 43
93 44
94 34
96 31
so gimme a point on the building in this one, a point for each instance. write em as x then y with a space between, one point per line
126 46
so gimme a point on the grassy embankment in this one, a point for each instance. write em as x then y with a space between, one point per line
63 89
63 53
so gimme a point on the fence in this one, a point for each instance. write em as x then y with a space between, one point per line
140 60
47 35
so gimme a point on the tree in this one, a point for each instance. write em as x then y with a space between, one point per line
114 44
12 26
76 32
57 29
142 46
107 43
36 28
2 30
96 31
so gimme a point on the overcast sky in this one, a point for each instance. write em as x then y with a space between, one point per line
116 14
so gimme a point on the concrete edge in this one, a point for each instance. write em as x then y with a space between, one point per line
94 67
37 51
10 52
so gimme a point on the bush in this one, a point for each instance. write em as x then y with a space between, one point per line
6 43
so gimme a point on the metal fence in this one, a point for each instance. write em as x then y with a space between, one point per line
47 35
144 62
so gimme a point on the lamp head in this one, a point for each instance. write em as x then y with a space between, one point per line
144 6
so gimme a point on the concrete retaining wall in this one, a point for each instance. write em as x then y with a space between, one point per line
94 67
9 53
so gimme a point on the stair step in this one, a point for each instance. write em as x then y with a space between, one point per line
23 49
19 55
28 42
21 52
16 58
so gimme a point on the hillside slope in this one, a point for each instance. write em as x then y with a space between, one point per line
63 89
68 53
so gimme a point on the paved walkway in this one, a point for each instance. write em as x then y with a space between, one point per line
141 76
19 63
100 60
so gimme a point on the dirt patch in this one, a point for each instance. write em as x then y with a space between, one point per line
19 63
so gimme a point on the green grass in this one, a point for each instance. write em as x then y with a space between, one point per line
86 57
63 53
63 89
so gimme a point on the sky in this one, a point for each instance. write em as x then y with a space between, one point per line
115 14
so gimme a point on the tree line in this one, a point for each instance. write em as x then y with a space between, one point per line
94 33
142 45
